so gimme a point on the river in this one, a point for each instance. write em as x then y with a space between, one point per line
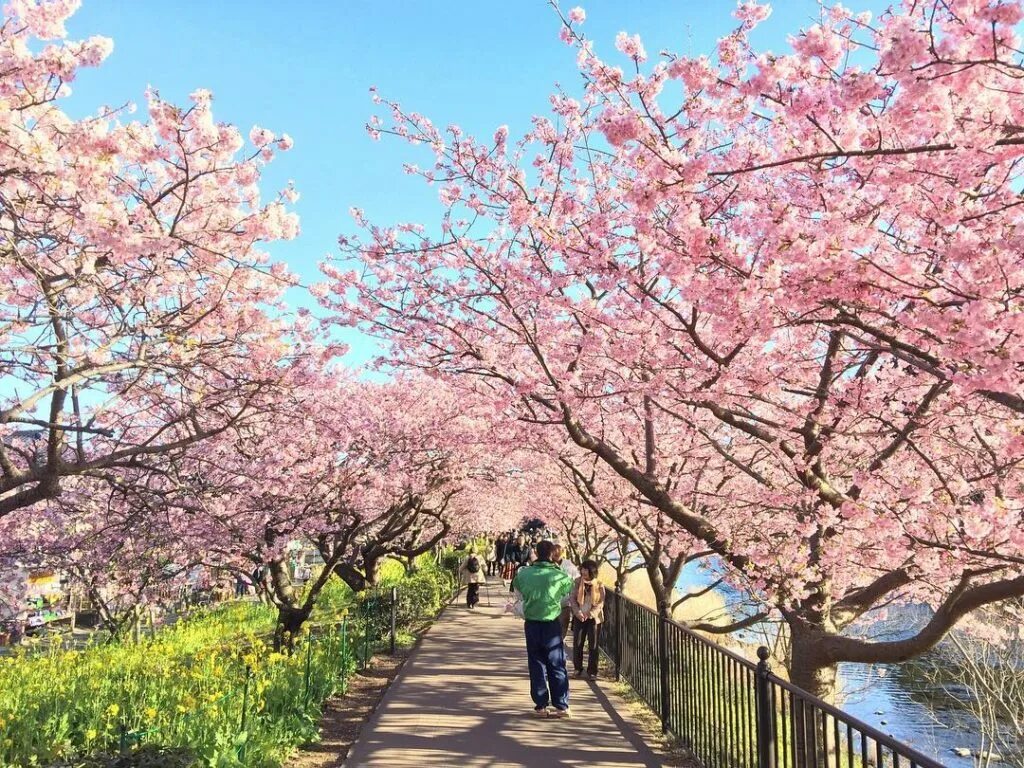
895 699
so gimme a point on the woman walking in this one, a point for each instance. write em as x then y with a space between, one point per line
472 572
586 601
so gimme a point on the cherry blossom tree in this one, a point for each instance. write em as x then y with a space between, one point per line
806 262
663 549
586 537
107 544
359 470
133 291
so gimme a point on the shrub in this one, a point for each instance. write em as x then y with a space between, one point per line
183 689
420 597
335 597
181 693
450 560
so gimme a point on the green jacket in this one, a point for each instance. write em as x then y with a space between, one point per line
543 585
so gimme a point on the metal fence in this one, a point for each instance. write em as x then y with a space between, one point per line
734 713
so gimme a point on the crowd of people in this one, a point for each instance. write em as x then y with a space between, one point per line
551 594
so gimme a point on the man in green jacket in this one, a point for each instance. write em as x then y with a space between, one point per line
543 585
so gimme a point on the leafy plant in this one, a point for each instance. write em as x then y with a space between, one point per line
208 691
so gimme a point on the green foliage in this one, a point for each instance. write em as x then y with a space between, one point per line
390 571
184 690
420 597
335 598
177 699
450 559
146 757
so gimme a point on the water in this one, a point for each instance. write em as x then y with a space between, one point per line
907 717
895 699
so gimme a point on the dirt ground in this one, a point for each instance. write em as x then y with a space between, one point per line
643 719
345 716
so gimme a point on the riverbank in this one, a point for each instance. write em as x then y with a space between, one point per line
711 607
637 587
910 711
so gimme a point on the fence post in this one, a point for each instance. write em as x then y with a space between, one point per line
394 615
618 631
366 634
344 653
245 712
309 662
663 669
765 715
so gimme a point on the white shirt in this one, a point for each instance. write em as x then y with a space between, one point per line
570 569
572 572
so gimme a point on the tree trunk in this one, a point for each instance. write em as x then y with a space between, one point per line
372 570
662 591
808 667
281 581
352 576
809 670
289 621
290 618
664 607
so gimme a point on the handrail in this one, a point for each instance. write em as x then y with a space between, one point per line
734 713
699 638
919 758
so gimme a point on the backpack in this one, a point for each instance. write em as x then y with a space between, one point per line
473 565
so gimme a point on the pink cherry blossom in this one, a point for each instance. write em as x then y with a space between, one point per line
767 308
631 46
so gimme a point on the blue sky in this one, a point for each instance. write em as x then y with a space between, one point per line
304 67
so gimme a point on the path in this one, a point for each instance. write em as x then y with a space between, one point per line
463 699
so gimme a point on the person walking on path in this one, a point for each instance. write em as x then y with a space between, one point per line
472 572
518 555
543 585
492 556
500 548
587 604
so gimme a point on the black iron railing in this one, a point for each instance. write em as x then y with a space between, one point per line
734 713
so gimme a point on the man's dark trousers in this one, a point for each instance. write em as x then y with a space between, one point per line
546 657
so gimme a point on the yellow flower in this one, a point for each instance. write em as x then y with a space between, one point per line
150 713
90 734
112 710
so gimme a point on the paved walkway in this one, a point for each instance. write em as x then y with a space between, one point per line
463 700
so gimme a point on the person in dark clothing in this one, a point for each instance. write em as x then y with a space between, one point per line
517 555
500 546
472 573
586 601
